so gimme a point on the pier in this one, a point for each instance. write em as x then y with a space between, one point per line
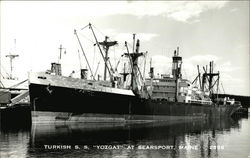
14 108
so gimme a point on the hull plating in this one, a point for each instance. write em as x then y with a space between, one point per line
52 103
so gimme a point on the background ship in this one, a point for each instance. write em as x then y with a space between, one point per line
54 97
14 96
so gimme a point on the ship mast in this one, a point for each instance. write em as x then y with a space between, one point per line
210 78
105 58
133 58
12 57
92 75
198 77
106 46
60 51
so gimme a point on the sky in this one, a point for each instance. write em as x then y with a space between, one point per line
203 31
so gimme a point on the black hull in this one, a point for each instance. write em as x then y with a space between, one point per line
18 115
60 99
79 102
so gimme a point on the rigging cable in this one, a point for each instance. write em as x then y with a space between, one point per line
85 27
79 59
97 68
98 30
111 68
222 88
5 72
84 54
87 38
109 71
93 62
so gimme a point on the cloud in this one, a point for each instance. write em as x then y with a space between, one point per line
228 81
182 11
224 67
128 36
227 67
162 64
202 58
189 10
179 11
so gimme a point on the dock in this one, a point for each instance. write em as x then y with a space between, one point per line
15 108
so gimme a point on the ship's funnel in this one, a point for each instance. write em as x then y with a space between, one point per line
137 46
84 73
176 66
56 69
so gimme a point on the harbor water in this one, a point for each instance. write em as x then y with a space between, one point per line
221 138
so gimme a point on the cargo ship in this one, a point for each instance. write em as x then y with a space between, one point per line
124 97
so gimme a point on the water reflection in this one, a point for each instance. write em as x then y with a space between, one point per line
185 138
199 139
14 142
